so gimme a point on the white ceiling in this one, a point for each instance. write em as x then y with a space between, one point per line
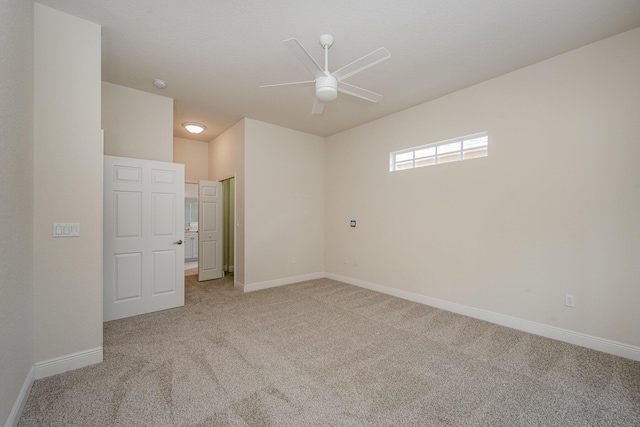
214 54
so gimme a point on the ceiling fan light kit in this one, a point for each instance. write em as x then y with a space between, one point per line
329 84
326 88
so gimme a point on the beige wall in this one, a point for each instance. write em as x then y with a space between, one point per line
279 193
194 155
137 124
67 185
226 160
16 208
226 153
553 210
284 203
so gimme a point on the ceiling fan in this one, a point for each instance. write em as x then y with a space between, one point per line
329 84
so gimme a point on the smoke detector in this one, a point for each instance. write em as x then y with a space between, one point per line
159 83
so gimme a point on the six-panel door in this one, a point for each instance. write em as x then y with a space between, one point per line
143 236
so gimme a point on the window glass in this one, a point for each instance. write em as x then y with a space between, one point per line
451 150
448 148
404 157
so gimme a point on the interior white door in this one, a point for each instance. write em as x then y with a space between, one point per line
143 236
210 231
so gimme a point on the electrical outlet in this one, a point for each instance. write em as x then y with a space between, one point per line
570 300
346 260
293 260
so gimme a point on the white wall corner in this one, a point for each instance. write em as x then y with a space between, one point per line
18 406
281 282
238 285
600 344
68 362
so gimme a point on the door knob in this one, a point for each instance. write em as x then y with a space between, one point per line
179 242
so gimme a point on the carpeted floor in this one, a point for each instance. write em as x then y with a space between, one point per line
325 353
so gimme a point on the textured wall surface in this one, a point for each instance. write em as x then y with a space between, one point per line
194 155
137 124
284 202
553 210
67 185
16 208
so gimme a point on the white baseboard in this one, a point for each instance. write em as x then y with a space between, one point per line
571 337
68 362
231 269
16 411
280 282
238 285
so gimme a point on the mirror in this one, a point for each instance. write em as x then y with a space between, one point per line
190 206
190 213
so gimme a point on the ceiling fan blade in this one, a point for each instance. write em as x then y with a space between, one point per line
359 92
307 83
318 106
363 63
303 56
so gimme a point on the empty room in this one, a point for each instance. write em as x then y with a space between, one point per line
301 213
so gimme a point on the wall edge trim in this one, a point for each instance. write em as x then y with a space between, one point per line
257 286
18 406
68 362
595 343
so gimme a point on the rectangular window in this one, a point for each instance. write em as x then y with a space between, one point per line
451 150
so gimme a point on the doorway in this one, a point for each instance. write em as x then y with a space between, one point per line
228 221
191 226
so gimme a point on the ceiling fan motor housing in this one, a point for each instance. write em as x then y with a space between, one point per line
326 88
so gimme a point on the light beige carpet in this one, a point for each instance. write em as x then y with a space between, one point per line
325 353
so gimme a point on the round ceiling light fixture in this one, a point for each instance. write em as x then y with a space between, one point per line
326 88
194 127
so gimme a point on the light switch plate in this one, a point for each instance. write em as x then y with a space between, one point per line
66 229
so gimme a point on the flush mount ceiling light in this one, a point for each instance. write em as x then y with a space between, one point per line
194 127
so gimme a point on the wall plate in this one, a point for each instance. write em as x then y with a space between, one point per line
66 229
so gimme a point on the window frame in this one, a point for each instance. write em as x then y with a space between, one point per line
437 157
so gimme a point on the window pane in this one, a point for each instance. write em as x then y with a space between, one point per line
403 157
475 143
449 158
404 165
475 153
425 152
427 161
449 148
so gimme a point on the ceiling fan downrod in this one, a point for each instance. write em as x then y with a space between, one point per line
326 41
327 86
